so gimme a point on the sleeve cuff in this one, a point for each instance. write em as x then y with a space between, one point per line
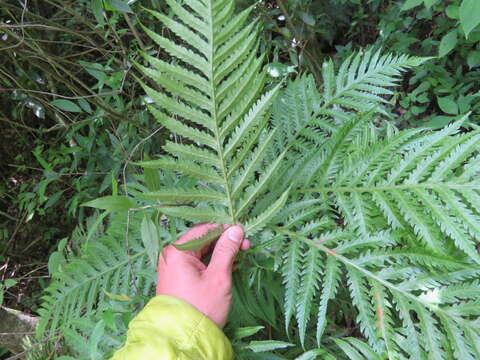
171 326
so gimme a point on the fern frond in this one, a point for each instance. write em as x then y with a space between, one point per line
81 289
362 79
378 299
213 100
418 190
291 273
331 279
356 349
361 300
310 278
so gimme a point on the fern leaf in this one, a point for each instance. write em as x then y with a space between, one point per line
361 300
310 275
291 274
257 223
210 98
198 214
79 289
185 195
330 282
185 167
190 152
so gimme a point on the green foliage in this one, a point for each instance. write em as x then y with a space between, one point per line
436 29
364 234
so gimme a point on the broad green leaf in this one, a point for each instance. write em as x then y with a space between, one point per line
111 203
473 59
469 15
430 3
267 345
119 5
85 105
448 105
66 105
54 262
307 18
243 332
97 9
198 243
150 239
410 4
10 282
448 43
453 11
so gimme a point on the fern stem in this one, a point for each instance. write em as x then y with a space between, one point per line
216 129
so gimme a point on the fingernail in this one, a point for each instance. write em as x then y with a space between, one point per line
235 233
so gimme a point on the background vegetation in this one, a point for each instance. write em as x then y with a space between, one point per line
72 116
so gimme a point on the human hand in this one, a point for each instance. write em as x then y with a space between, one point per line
207 288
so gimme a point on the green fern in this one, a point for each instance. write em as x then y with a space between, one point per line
394 191
214 100
94 292
348 214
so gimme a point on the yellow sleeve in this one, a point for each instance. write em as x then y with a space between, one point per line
171 329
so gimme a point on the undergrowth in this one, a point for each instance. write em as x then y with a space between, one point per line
364 236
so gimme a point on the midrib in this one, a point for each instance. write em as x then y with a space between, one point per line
216 129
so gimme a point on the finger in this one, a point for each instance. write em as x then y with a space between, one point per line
226 250
186 260
245 244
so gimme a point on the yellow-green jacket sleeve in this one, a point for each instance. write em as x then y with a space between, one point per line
171 329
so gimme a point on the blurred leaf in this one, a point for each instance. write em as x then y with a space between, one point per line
307 18
54 262
439 121
53 199
150 239
111 203
85 105
410 4
119 5
151 176
267 345
97 9
117 297
453 12
313 355
473 59
66 105
469 15
243 332
198 243
10 282
448 43
430 3
448 105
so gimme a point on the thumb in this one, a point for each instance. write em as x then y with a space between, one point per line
226 249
